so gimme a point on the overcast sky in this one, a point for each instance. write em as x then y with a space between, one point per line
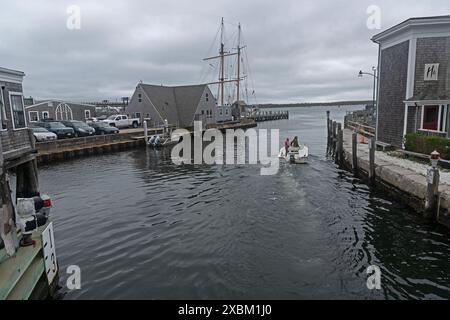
298 51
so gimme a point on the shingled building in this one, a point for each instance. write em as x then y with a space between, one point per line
414 79
180 106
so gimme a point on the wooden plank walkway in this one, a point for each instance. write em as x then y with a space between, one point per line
27 261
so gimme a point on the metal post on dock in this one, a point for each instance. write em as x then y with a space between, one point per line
372 160
145 131
432 198
355 152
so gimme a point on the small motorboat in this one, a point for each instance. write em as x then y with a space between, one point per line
160 142
297 155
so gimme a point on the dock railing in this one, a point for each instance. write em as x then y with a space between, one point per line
360 128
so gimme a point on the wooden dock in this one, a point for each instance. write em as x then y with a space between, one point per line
354 148
66 149
22 276
261 116
243 124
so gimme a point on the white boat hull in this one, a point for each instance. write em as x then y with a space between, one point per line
295 155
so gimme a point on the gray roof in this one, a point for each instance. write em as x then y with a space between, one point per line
56 102
176 104
443 21
11 71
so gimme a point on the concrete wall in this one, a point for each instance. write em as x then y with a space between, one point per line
392 92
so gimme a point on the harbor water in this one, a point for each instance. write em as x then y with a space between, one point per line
141 227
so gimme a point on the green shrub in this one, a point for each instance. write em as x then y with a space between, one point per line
421 143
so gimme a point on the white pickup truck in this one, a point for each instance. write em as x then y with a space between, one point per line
122 121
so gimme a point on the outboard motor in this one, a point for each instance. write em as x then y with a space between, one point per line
151 141
32 213
292 158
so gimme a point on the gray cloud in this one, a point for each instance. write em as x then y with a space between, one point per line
298 50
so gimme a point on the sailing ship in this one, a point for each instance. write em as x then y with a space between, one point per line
231 70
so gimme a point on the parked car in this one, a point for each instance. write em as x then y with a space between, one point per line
57 128
122 121
91 120
81 128
42 134
103 128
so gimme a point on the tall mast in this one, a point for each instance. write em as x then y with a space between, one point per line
238 81
222 55
222 63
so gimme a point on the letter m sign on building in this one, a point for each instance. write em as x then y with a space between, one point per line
431 72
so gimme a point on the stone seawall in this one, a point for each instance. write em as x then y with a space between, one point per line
404 178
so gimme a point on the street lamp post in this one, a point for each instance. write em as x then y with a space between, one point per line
375 78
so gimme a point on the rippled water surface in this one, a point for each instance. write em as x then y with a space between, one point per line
140 227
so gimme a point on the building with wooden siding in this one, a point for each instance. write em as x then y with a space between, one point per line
22 269
180 105
58 110
414 79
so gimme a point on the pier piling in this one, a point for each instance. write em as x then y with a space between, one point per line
432 199
328 132
355 152
372 160
145 131
340 145
334 132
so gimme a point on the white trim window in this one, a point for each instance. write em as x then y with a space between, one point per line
17 110
434 118
2 111
87 114
45 114
33 116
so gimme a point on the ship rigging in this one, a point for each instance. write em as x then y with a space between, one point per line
233 74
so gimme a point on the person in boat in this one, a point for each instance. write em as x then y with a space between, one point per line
286 146
295 143
157 141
